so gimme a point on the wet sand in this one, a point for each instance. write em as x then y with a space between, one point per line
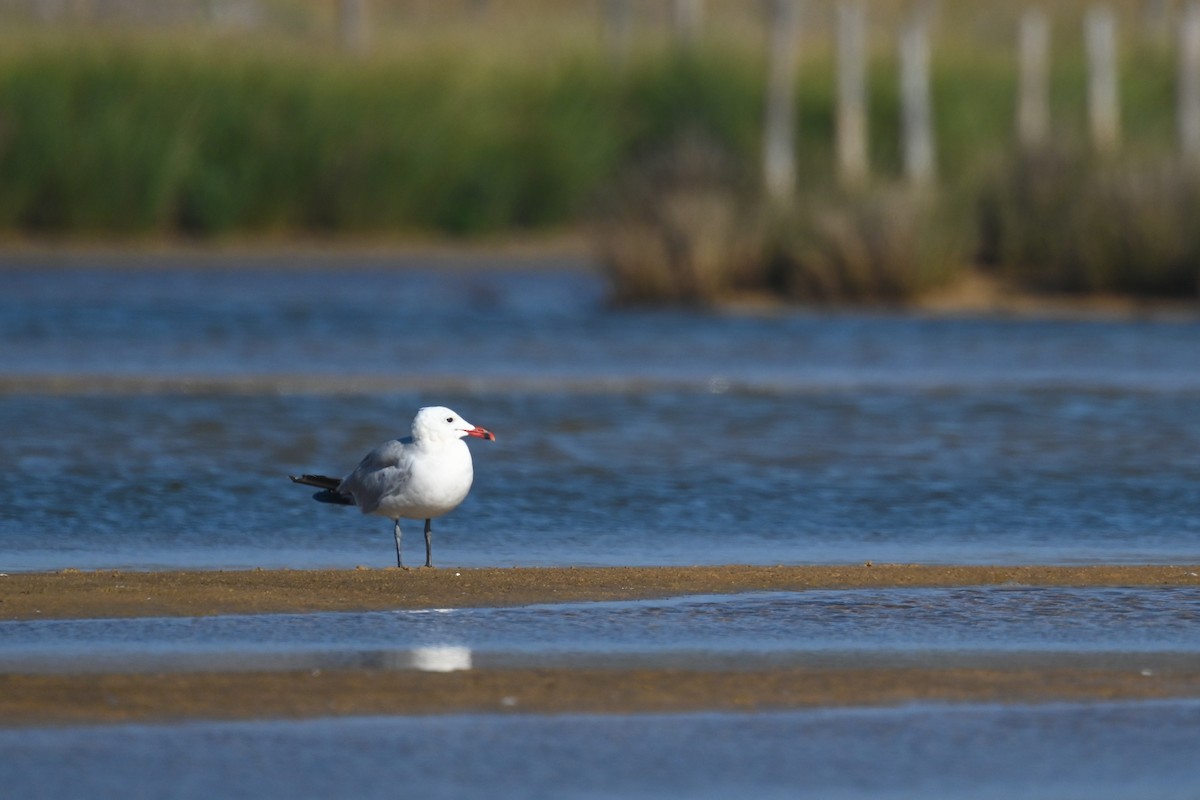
39 699
67 699
99 594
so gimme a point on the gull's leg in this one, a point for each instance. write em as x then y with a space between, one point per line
399 560
429 543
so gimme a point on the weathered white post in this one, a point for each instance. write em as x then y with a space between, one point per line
917 108
352 24
1156 19
1033 96
618 29
48 10
1189 84
689 21
1103 114
852 158
779 125
58 10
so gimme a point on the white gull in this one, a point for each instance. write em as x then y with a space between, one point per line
421 476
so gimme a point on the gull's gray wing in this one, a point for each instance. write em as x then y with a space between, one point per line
383 472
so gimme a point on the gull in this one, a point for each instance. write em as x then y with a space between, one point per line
421 476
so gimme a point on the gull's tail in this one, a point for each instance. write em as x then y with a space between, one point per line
328 487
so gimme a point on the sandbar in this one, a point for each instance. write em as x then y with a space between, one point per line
166 697
73 593
64 697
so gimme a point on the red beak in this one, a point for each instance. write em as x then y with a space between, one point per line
482 433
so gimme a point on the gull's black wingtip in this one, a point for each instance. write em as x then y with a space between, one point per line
319 481
336 498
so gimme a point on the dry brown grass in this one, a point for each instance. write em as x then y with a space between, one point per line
680 226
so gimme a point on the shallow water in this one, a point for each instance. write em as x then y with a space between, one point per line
151 416
1097 751
937 627
529 322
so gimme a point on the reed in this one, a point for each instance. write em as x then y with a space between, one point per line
136 136
886 244
103 139
681 225
127 135
1058 220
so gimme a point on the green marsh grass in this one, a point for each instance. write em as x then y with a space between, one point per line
885 245
468 132
1063 221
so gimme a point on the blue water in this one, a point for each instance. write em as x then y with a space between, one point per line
1141 628
151 409
1060 751
1098 751
150 417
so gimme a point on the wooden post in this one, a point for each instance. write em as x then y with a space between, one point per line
779 126
352 24
1189 84
852 158
234 14
49 10
1033 96
1103 115
70 11
1156 19
618 28
917 108
689 21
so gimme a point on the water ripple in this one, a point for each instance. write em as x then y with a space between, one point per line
821 626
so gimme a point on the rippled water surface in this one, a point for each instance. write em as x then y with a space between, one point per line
151 412
151 417
1098 752
930 626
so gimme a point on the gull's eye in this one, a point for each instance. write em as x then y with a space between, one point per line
449 419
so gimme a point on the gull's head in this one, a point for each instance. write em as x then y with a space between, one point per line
438 423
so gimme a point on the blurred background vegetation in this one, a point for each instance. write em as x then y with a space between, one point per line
640 122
